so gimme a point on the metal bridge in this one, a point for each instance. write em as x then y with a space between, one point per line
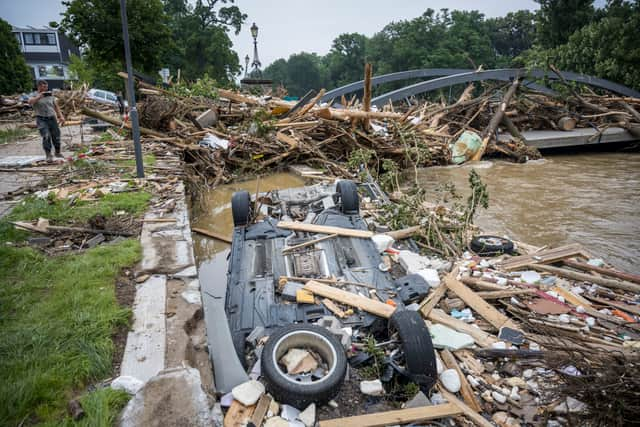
446 77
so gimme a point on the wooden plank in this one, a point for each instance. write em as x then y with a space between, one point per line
400 416
609 283
542 257
329 281
261 411
363 303
332 307
309 243
238 415
634 309
602 270
466 410
212 234
482 338
465 389
432 300
404 233
325 229
484 309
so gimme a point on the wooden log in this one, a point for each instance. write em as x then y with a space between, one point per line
496 119
634 309
513 129
309 243
400 416
405 233
349 298
335 114
329 281
465 389
366 98
608 283
602 270
311 104
212 234
118 122
567 123
477 303
325 229
332 307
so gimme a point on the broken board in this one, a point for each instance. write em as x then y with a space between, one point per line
401 416
325 229
363 303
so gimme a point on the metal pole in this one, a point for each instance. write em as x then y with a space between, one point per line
131 96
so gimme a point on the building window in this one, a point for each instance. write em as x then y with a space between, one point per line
19 38
50 71
47 39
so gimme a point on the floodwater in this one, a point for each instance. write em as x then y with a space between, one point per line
587 198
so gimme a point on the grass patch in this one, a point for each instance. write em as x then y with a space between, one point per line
13 134
60 212
57 319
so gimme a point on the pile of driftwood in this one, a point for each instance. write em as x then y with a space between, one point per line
233 133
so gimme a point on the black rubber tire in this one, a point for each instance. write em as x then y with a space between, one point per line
350 200
417 347
300 395
241 208
491 245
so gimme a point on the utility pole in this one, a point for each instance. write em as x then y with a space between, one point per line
131 96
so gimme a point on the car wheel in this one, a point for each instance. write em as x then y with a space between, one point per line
348 192
302 390
241 208
417 349
491 245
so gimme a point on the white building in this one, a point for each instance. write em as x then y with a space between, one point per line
47 53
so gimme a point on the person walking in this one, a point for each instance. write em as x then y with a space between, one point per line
46 110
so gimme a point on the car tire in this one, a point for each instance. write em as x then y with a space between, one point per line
241 208
491 246
415 340
285 388
350 200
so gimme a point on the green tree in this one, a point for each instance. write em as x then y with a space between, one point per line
201 44
558 19
345 61
96 25
14 72
512 34
304 71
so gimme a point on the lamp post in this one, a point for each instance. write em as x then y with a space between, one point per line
133 113
246 64
256 61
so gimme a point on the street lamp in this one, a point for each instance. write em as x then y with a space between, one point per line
133 112
246 64
256 62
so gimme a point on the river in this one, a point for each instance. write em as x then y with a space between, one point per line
587 198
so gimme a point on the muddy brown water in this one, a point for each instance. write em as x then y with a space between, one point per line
588 198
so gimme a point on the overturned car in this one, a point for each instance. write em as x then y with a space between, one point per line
283 243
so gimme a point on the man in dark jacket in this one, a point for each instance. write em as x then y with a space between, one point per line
46 110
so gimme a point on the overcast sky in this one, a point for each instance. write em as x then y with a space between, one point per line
291 26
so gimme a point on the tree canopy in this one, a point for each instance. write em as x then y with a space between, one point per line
14 72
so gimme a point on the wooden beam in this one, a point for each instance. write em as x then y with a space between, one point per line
602 270
542 257
400 416
466 410
404 233
118 122
212 234
261 411
484 309
465 389
238 415
432 300
482 338
349 298
609 283
366 97
325 229
309 243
